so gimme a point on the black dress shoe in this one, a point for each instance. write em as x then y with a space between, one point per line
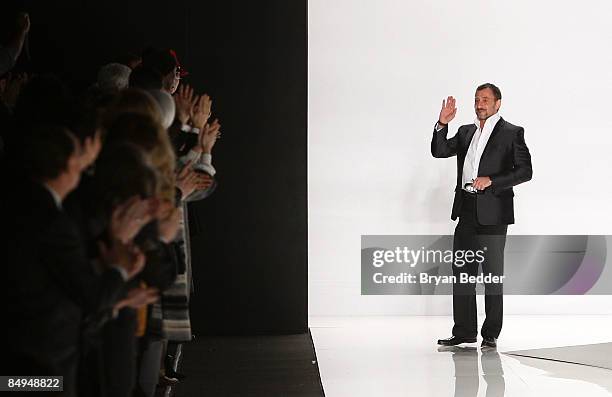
165 381
488 341
455 340
173 374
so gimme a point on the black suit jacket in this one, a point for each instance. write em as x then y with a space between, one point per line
49 285
505 159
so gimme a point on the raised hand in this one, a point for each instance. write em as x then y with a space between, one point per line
201 110
185 101
126 256
448 111
23 23
129 217
209 135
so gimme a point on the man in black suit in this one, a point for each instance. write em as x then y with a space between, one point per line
492 157
49 284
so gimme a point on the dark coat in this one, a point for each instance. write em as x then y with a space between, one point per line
505 159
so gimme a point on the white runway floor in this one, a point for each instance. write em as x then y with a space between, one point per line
398 356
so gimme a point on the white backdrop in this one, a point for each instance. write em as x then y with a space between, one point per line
378 71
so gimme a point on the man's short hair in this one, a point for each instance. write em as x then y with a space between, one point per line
493 87
47 150
137 176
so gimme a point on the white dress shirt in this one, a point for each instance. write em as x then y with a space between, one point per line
477 146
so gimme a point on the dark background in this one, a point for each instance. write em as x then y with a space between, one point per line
250 255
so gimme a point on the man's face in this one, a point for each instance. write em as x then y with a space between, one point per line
74 166
171 81
74 172
485 104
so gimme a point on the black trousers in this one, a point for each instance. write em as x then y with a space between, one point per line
119 349
491 239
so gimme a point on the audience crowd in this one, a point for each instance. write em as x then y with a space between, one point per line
96 257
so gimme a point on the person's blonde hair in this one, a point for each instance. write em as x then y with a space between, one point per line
134 100
143 131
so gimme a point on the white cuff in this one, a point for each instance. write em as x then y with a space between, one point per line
192 156
205 164
206 158
439 127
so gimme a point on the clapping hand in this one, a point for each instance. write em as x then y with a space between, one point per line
126 256
189 180
23 23
201 111
185 101
209 135
138 297
129 217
